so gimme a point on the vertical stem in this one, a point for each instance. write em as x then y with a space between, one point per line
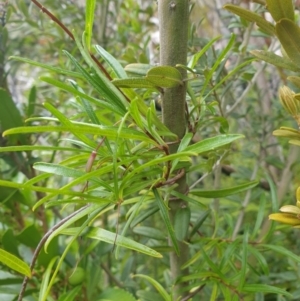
173 20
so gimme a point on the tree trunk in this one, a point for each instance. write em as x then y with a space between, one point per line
173 22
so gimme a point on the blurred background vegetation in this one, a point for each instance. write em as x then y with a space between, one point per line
246 104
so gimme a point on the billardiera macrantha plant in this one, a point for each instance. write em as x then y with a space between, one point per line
290 103
289 214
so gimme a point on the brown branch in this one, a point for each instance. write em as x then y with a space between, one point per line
111 276
41 244
69 33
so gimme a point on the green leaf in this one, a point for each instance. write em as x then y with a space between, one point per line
217 63
45 282
157 285
115 294
182 155
84 128
47 67
147 295
89 20
150 232
84 212
101 103
14 263
10 116
275 60
164 76
138 69
112 62
166 219
30 236
214 293
144 215
210 144
58 169
219 193
214 267
71 295
288 34
182 222
10 243
66 121
250 16
188 199
244 263
31 101
281 9
283 251
53 191
111 238
134 82
89 110
260 259
9 196
195 58
202 217
99 81
264 288
101 84
260 215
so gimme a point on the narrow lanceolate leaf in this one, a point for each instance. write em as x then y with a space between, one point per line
264 288
89 20
219 193
288 34
46 278
138 69
250 16
134 82
9 115
112 62
164 76
104 104
150 232
111 238
275 60
157 285
58 169
195 58
242 277
182 222
165 216
14 263
47 67
109 132
283 251
66 121
210 144
280 9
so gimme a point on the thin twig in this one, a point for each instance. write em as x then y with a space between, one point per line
41 244
111 276
189 296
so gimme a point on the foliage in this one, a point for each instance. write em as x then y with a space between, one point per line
97 170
